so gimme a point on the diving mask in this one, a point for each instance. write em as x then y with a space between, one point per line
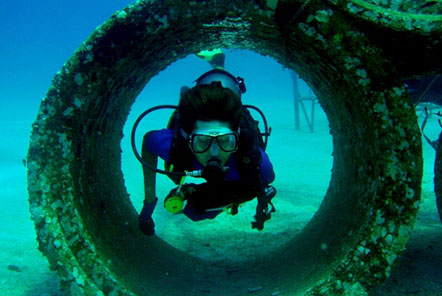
202 139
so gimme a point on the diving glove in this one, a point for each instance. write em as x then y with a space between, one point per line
263 213
147 226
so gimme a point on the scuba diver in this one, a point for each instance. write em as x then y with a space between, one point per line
211 135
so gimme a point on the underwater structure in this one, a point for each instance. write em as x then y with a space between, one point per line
354 54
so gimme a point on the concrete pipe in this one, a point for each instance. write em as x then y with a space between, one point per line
85 223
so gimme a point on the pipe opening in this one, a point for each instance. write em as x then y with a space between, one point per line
299 192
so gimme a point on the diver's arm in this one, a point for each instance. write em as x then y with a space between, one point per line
149 175
266 169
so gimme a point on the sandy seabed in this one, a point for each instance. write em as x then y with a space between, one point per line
302 161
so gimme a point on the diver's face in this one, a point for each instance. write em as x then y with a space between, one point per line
206 139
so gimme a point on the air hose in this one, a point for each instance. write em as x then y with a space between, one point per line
196 173
138 156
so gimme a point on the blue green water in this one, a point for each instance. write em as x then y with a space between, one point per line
37 37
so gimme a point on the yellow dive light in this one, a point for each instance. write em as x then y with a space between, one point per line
174 203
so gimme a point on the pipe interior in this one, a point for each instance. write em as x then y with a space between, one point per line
147 262
231 237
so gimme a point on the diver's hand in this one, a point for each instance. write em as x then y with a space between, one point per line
147 226
183 192
188 189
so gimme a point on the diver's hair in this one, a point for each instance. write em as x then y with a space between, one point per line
209 102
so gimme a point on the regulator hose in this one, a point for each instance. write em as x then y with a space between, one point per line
266 135
134 146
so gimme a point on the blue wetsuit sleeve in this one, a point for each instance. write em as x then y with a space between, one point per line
159 143
266 169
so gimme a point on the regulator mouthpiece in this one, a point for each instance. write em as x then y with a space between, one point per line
213 171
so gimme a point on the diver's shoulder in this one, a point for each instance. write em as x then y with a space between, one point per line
159 134
157 138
